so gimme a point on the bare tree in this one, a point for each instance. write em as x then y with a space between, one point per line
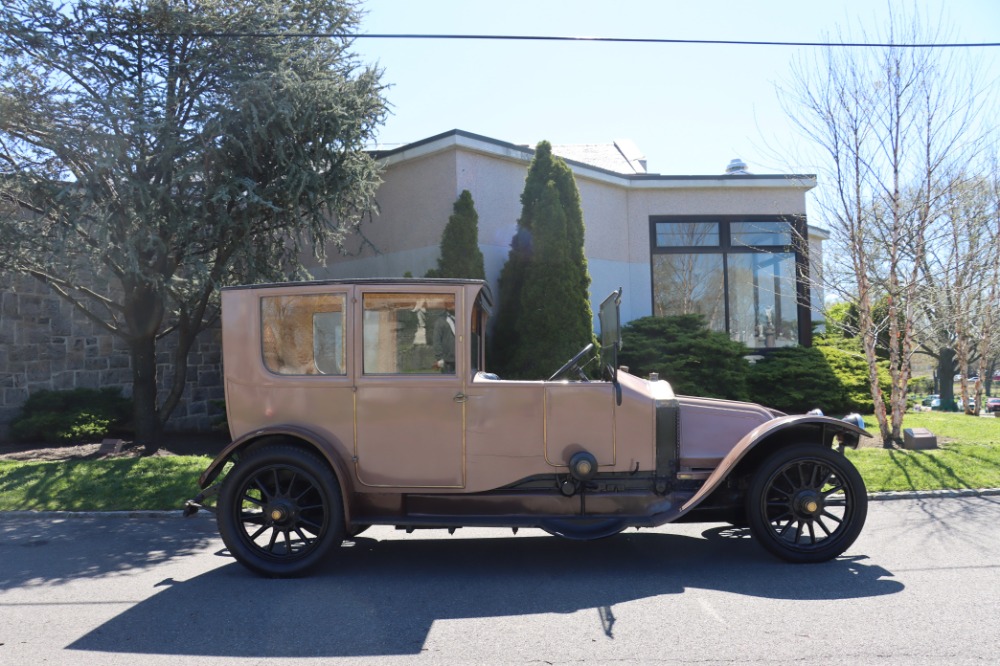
960 294
889 122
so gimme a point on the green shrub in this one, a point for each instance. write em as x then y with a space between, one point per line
851 370
695 360
830 377
921 385
798 379
71 416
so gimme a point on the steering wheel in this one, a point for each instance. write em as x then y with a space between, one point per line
573 364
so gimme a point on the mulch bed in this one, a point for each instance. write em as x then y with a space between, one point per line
174 444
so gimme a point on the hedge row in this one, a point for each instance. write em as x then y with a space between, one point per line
698 361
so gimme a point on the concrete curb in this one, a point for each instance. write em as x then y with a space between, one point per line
56 515
934 494
872 497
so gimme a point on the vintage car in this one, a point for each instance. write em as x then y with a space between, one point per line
368 402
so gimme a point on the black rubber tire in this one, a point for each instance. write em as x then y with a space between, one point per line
806 503
280 512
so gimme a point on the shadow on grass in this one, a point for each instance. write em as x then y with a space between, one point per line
951 468
944 475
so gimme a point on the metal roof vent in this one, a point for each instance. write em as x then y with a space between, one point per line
737 167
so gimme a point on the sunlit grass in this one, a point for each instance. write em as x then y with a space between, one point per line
968 456
142 484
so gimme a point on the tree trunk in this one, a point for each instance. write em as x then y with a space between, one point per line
148 428
946 372
144 314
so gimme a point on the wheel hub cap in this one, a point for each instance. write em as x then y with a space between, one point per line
280 513
809 503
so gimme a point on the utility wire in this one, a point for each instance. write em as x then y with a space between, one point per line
654 40
521 38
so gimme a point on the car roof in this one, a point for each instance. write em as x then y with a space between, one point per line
360 281
483 286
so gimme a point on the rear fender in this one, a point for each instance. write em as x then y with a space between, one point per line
774 434
297 435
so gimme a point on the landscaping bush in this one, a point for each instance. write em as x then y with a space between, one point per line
851 371
798 379
695 360
72 416
921 385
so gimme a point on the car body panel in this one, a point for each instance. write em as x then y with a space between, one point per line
419 447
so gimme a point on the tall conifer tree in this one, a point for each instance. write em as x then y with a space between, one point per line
544 312
460 253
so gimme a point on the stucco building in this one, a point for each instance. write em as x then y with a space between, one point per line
726 245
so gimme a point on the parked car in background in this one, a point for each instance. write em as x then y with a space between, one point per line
993 405
344 414
931 401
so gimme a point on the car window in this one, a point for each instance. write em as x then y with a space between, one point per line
303 334
409 334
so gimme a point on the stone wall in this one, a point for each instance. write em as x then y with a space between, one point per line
45 343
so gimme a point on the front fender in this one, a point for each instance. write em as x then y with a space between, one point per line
826 428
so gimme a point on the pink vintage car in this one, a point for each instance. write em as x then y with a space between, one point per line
368 402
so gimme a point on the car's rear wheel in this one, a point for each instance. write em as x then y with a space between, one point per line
280 512
806 504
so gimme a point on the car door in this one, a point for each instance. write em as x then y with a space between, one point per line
410 400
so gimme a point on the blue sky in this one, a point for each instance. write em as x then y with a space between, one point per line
690 108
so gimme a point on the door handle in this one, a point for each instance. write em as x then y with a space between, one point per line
460 397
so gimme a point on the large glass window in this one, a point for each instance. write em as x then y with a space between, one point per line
740 273
303 334
409 334
690 284
687 234
762 233
763 310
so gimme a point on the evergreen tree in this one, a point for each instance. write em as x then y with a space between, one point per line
150 154
544 314
460 254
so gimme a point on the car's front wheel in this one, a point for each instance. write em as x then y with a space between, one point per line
280 511
806 504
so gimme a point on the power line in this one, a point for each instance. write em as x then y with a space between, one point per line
656 40
521 38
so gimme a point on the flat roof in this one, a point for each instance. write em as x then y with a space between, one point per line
504 149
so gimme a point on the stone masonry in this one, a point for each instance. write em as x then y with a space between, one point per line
47 344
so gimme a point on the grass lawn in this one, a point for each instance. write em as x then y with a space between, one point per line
117 484
969 457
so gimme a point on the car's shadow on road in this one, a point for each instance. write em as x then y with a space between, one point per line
381 597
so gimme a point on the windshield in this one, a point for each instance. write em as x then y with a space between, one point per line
611 334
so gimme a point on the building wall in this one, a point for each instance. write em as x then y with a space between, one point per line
47 344
419 187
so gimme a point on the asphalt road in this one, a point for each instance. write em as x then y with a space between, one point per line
921 586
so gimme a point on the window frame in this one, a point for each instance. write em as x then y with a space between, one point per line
263 321
798 248
364 339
